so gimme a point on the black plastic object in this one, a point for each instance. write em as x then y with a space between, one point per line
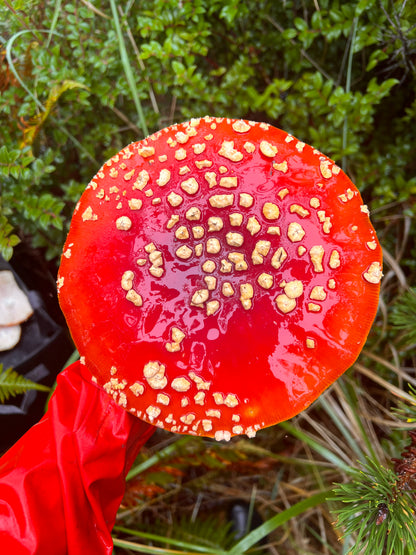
243 519
40 354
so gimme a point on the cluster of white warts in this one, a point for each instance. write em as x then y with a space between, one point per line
236 260
154 376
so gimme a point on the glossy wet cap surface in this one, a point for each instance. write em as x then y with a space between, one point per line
218 276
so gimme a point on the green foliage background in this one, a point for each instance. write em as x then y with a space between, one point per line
80 79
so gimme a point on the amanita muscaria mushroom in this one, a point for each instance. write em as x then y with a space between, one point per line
218 276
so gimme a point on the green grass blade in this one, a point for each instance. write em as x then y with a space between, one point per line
12 67
54 21
170 541
127 68
270 525
323 542
348 89
141 548
316 446
158 457
350 393
349 438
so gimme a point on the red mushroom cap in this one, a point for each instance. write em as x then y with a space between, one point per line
218 276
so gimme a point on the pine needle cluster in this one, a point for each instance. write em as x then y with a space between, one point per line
378 510
403 316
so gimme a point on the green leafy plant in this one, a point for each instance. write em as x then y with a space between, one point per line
8 240
81 81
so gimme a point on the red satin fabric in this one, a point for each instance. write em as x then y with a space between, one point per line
62 483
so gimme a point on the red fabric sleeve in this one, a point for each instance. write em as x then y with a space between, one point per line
62 483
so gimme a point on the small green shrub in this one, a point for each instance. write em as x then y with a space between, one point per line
80 81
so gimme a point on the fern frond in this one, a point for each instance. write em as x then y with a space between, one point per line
203 535
210 532
13 384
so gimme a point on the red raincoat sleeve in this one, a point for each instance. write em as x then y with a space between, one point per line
62 483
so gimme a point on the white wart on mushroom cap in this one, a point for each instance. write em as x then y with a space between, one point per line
218 276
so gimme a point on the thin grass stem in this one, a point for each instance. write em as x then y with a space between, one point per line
54 22
161 455
328 454
163 540
9 59
128 69
273 523
142 548
348 89
395 391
